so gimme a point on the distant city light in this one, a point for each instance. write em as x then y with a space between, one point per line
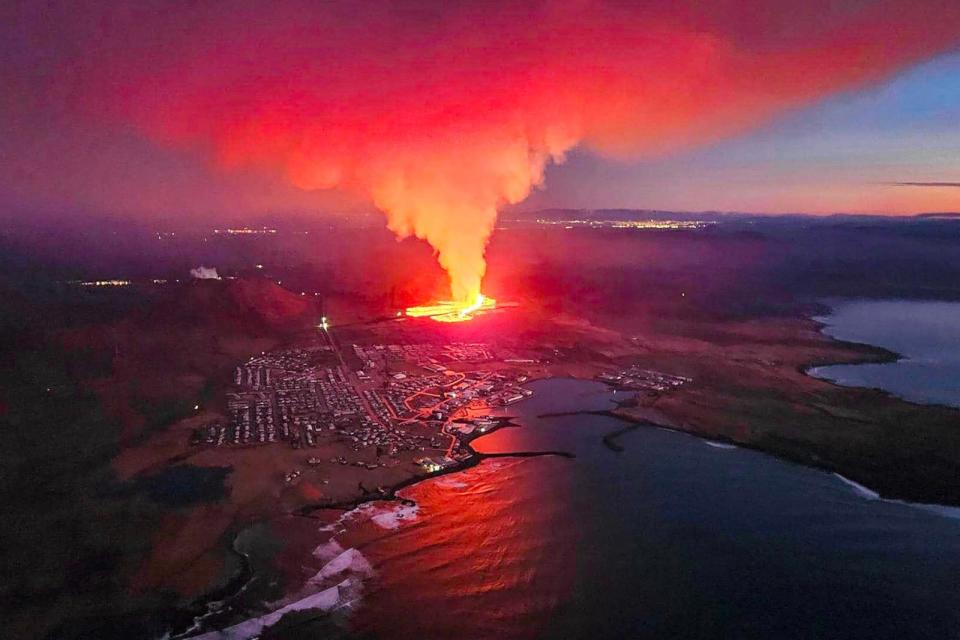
106 283
628 224
246 231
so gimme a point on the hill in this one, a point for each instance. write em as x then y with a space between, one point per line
159 362
250 306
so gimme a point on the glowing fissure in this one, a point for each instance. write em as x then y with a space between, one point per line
451 311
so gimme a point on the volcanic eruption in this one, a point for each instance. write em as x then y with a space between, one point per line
452 310
441 114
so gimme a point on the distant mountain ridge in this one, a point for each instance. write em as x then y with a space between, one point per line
245 304
707 216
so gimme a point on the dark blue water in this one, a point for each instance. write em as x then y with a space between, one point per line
926 334
184 485
672 538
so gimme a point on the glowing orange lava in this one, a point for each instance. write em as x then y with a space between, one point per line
450 311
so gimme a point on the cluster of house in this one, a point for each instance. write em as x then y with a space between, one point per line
643 379
431 356
388 442
287 395
296 397
377 406
491 388
405 394
432 465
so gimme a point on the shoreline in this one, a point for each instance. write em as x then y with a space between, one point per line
945 510
239 582
864 354
389 493
610 441
942 510
869 354
883 355
235 586
872 355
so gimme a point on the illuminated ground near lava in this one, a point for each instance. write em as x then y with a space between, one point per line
450 311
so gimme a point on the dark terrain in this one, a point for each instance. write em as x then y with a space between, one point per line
87 371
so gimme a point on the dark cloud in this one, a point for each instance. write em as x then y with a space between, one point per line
924 184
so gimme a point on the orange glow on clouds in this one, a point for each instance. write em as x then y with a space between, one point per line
440 115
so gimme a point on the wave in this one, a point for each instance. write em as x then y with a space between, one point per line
719 445
327 600
861 490
943 510
940 509
388 515
350 567
350 562
337 585
393 518
327 551
450 482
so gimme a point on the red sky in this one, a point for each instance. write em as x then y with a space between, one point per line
183 108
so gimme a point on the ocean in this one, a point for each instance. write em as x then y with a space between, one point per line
673 537
925 334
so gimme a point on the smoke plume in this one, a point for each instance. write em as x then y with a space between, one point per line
205 273
440 114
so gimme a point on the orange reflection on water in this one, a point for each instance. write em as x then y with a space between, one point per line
481 558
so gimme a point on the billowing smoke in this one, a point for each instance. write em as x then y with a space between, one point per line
439 115
205 273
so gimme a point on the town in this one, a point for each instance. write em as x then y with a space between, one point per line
389 399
